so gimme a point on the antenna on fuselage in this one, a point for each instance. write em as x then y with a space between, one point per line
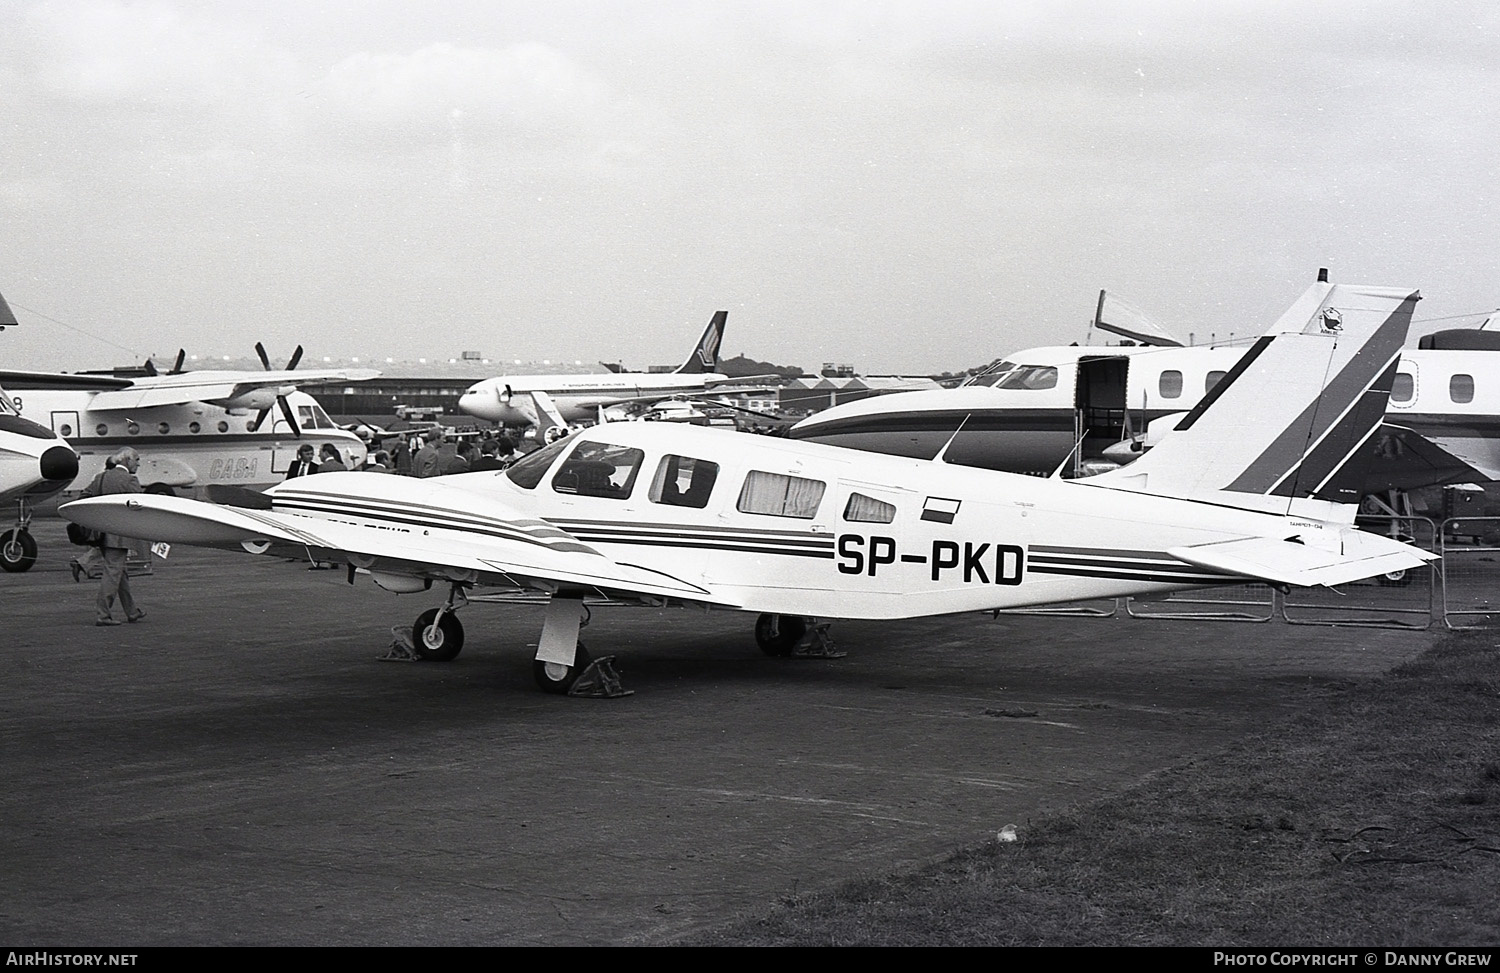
942 454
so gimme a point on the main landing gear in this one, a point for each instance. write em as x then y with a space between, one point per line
17 546
780 636
562 665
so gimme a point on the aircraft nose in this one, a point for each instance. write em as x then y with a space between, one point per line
59 463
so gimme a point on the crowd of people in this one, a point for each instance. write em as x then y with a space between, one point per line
432 453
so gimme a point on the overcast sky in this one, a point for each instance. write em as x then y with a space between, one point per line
905 186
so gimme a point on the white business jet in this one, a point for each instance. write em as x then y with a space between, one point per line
551 402
1255 485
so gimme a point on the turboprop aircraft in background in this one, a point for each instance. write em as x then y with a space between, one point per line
1094 408
1254 485
192 428
35 463
552 402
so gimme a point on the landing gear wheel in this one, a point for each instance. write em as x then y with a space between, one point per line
778 635
556 678
1396 579
437 643
17 550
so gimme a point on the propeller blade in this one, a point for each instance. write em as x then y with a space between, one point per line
265 360
260 418
150 368
291 416
296 357
181 360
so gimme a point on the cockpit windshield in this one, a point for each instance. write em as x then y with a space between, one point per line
313 417
1008 375
528 471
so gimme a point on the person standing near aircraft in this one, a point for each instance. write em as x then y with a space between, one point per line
114 584
424 462
489 457
329 460
303 464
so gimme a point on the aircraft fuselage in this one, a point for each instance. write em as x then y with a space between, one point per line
188 445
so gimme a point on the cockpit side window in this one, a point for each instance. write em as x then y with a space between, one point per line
1169 386
1403 388
599 470
682 481
528 471
779 495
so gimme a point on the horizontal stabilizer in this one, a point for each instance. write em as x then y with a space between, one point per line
1291 562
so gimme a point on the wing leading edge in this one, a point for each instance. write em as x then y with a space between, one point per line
534 555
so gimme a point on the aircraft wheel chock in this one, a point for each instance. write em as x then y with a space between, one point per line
778 635
437 643
556 678
17 550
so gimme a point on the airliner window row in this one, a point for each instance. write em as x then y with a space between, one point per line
162 428
1460 388
1169 384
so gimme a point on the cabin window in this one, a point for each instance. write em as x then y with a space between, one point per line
867 510
599 470
65 430
1169 386
1214 378
194 427
1461 388
682 481
223 426
163 428
132 428
101 430
1403 387
779 495
528 471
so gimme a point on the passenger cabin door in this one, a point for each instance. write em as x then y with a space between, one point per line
1099 407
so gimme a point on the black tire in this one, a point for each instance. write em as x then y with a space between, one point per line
441 643
551 677
788 631
1396 579
17 550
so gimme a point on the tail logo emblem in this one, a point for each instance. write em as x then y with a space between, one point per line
1333 321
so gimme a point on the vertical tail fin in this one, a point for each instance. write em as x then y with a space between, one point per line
705 357
1294 418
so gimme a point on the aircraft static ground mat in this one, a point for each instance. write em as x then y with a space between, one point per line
658 512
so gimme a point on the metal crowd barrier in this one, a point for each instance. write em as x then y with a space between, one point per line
1471 572
1231 603
1404 599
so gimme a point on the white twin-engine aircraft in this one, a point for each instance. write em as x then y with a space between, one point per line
552 402
1258 483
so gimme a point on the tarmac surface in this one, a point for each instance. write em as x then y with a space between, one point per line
239 768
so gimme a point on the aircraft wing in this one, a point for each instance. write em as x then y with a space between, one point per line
218 386
1291 562
511 552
